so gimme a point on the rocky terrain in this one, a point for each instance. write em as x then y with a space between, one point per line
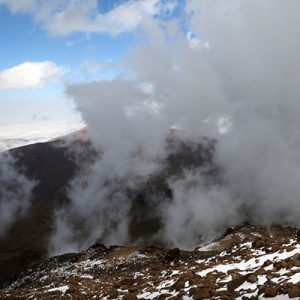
248 262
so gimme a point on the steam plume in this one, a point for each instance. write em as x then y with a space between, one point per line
15 192
234 78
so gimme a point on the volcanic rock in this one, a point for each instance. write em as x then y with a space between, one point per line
141 273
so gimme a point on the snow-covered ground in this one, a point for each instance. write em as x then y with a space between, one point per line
250 263
17 135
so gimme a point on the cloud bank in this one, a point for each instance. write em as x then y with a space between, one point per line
30 75
247 80
62 17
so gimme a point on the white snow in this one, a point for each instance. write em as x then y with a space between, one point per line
279 297
166 283
261 279
156 294
253 263
61 289
247 286
175 272
295 278
209 246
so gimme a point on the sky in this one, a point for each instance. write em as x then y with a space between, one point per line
47 45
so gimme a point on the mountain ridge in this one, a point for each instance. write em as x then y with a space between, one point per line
52 165
248 262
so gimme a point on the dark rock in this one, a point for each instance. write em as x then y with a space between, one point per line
229 231
269 290
252 278
290 248
99 246
225 297
270 277
268 250
113 294
179 284
284 264
114 247
275 248
258 243
267 263
277 265
295 260
164 296
235 283
202 293
131 296
298 235
294 291
126 282
172 255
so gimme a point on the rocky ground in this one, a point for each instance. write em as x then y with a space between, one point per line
249 262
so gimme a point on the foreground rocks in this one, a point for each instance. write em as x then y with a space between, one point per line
248 263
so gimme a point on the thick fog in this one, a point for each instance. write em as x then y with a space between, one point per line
15 192
231 75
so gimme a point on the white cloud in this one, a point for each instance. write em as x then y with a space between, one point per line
196 43
20 5
63 17
30 75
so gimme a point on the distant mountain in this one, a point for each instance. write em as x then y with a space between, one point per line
15 143
52 165
27 133
248 262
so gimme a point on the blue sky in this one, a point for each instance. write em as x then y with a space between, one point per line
26 41
45 46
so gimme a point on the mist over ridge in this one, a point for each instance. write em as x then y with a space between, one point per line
231 77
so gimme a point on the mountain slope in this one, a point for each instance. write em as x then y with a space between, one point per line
51 166
54 164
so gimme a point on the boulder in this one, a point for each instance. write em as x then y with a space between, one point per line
202 293
179 284
131 296
298 235
258 243
294 291
295 260
235 283
172 255
269 290
252 278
